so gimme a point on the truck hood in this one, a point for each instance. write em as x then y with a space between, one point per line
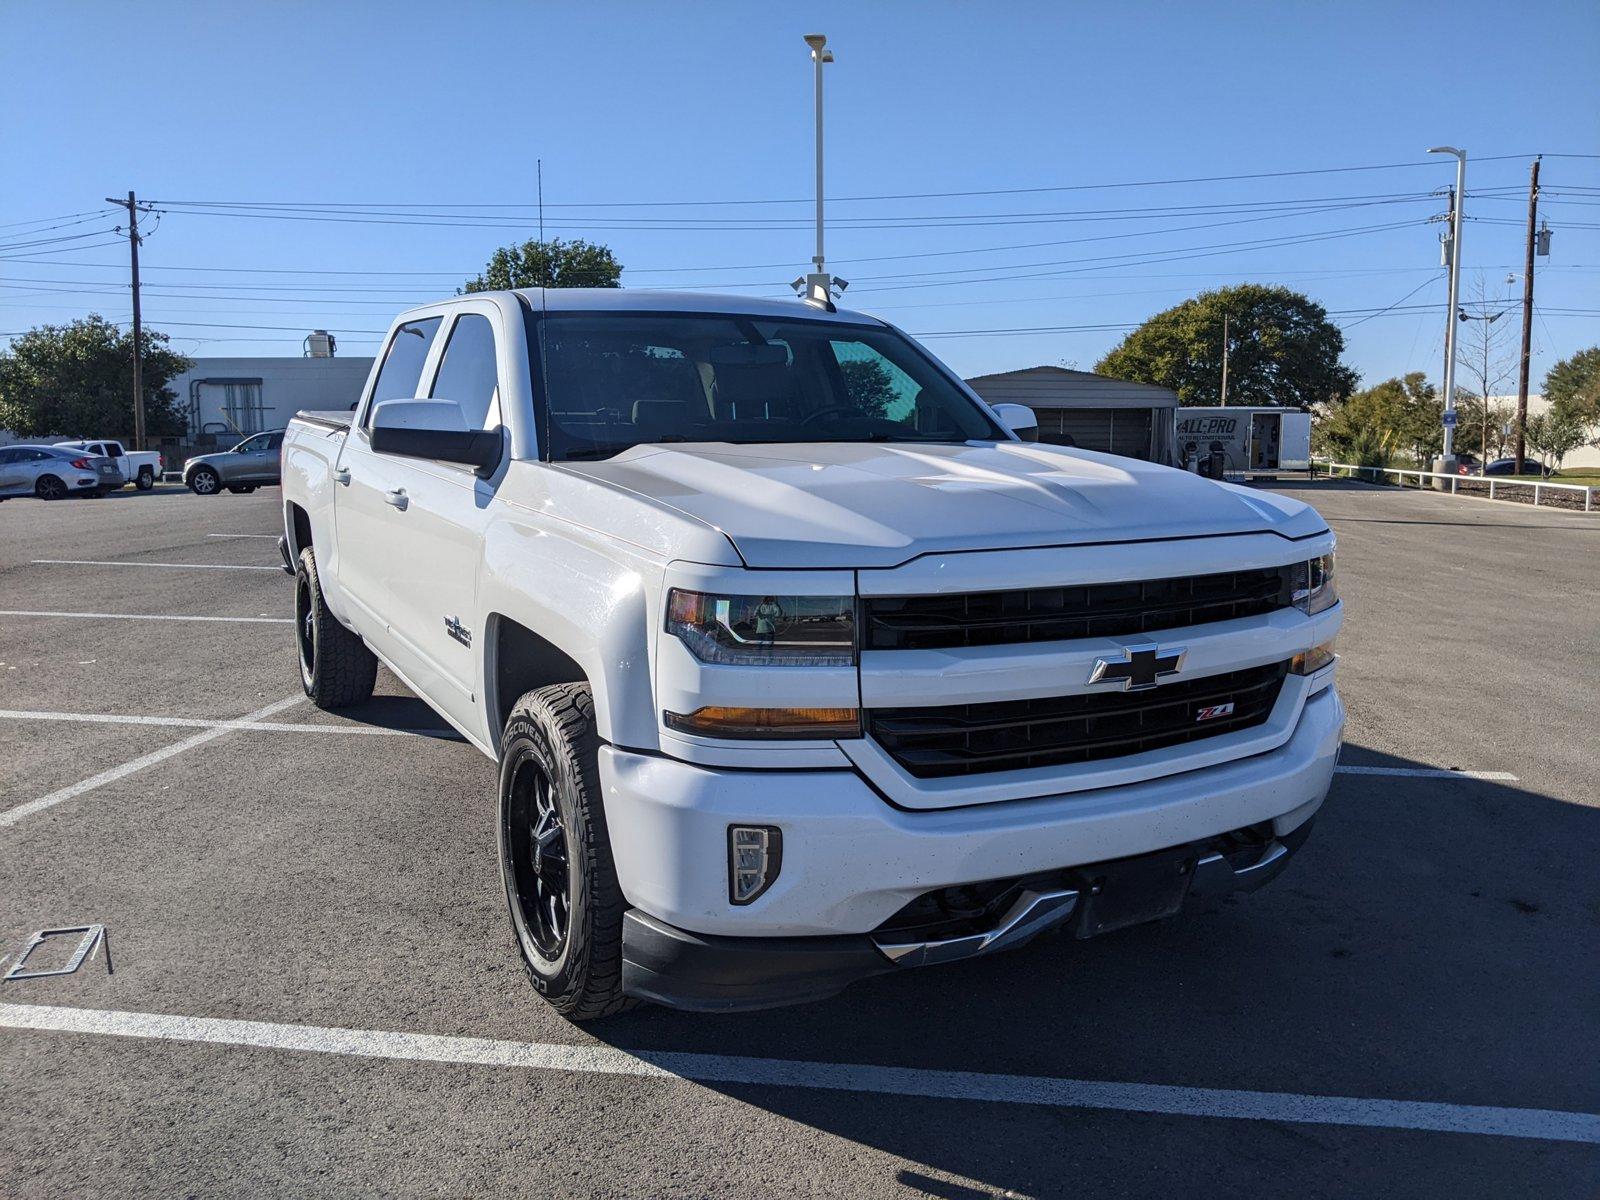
822 505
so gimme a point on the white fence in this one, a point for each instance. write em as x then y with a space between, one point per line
1538 487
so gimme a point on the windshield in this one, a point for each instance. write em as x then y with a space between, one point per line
617 380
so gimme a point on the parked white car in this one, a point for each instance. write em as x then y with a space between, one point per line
141 468
55 472
798 665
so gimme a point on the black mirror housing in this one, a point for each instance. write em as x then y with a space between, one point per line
479 449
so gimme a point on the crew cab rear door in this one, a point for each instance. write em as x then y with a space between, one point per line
365 500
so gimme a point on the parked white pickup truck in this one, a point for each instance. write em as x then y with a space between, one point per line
799 667
139 467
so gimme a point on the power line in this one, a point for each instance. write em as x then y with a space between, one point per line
1081 187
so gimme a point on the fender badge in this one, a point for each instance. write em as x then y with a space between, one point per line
457 630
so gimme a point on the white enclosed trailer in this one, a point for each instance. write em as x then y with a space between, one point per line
1251 439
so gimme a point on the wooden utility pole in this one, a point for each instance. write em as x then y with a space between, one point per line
1224 358
132 205
1527 317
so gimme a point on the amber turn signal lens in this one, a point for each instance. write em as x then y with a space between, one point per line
729 722
1313 660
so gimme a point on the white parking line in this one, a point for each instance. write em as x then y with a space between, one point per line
31 612
12 815
19 714
1488 1120
1429 773
270 536
92 562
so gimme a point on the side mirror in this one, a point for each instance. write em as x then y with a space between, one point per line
1020 419
434 429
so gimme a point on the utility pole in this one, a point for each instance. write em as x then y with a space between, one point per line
131 204
1447 463
1224 358
1527 317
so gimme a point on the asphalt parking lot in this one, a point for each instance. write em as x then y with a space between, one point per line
315 990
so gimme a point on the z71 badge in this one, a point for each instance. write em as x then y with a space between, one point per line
1212 712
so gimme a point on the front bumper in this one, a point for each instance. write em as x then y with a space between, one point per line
707 973
851 859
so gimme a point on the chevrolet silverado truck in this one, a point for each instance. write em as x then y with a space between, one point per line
797 664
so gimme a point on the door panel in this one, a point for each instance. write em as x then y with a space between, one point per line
431 599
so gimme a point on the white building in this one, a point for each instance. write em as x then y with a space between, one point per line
1583 456
227 398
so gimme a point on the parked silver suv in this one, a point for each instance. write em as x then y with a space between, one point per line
251 464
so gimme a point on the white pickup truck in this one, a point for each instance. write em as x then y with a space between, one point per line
798 665
142 468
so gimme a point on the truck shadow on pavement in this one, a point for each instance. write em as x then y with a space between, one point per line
1433 941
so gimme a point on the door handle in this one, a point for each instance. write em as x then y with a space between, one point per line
342 475
396 498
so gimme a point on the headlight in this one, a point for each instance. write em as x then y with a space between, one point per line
1315 590
765 631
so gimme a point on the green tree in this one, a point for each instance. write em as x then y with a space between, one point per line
1283 350
868 386
1555 434
1374 424
1573 386
76 380
555 263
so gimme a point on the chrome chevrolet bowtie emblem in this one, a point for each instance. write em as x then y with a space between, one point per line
1138 667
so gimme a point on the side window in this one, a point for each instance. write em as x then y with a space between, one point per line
7 457
467 373
402 365
275 441
113 450
254 444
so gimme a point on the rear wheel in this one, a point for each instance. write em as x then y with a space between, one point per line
205 482
555 854
336 668
48 487
146 479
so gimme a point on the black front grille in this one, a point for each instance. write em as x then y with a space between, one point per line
1060 613
1012 735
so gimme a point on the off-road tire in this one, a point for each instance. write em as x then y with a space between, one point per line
336 668
49 487
552 729
145 480
211 485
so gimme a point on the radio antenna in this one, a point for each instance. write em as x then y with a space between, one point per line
544 280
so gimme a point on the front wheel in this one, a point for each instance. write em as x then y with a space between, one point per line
555 854
146 479
336 668
205 482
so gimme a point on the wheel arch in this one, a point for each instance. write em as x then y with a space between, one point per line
564 612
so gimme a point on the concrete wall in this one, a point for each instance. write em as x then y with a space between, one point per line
285 386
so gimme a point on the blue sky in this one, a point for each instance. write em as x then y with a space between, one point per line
405 109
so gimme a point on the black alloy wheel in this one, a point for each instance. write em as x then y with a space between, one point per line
540 861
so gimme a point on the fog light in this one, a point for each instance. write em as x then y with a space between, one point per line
1311 661
755 855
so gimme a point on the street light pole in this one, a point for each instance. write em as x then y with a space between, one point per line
1447 463
818 285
